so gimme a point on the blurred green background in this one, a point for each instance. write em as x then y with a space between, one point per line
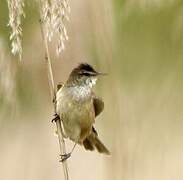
139 44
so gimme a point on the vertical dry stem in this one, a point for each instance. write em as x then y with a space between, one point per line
53 94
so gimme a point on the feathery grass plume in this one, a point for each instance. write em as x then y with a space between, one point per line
55 14
15 13
60 10
46 18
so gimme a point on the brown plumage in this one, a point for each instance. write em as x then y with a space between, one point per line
77 107
93 142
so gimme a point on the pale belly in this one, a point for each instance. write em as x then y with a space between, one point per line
77 118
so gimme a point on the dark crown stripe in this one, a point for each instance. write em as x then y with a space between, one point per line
85 67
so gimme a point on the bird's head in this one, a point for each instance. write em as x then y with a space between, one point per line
84 75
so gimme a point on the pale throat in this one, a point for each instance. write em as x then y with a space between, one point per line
83 90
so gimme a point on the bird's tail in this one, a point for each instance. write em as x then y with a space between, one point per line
93 142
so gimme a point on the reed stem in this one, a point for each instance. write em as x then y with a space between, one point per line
53 95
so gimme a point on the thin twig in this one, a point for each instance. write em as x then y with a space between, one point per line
53 95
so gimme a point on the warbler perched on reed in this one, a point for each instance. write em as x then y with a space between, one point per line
77 108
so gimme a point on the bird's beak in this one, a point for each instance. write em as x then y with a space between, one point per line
101 74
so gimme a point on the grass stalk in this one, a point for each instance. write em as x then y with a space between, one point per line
53 95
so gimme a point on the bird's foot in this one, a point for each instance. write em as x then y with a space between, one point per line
64 157
56 117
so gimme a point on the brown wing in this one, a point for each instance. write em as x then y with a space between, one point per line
98 105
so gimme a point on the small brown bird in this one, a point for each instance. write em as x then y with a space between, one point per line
77 107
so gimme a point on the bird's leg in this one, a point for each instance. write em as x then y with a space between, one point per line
56 117
66 156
